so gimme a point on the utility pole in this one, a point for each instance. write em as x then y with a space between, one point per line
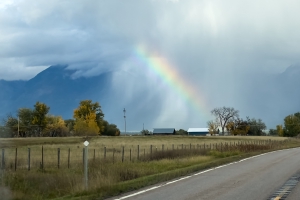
18 126
125 118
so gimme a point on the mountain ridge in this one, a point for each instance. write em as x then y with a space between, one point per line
270 99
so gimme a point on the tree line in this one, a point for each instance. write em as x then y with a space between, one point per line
88 120
290 127
227 118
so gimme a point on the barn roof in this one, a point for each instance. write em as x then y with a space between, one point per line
191 130
163 130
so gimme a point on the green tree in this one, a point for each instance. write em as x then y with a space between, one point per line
181 132
256 126
112 130
11 124
273 132
22 125
291 125
297 114
5 132
25 116
146 132
223 115
39 117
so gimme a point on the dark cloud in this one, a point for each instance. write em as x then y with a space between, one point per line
215 45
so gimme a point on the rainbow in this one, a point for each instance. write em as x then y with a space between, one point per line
164 70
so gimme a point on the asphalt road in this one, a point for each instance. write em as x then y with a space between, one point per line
254 178
295 194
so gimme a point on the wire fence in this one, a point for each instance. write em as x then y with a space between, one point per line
47 157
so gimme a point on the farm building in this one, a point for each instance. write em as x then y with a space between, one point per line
198 131
164 131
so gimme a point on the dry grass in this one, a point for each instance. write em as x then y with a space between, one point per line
125 140
106 172
104 147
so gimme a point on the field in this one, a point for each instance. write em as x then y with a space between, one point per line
47 168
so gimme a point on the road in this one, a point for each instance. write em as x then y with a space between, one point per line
254 178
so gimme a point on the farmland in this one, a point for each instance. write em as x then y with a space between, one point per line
116 164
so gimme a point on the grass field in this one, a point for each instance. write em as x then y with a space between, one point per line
146 160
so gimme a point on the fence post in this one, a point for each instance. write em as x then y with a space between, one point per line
83 154
182 146
3 161
69 158
28 159
16 157
86 158
123 154
94 156
129 154
162 147
42 158
138 152
113 155
58 157
190 146
172 146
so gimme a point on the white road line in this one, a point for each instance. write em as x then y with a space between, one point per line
125 197
199 173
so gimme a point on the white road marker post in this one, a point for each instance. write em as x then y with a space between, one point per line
86 143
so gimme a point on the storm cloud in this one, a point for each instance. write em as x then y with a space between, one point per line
216 45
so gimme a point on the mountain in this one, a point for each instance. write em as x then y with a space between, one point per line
148 102
8 90
57 88
273 97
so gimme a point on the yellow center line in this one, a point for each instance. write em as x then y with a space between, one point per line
282 193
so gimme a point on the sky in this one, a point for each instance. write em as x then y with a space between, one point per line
212 45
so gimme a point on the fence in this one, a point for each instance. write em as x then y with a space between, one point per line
46 157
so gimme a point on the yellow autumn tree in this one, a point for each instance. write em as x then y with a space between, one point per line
55 127
88 118
279 130
238 127
87 126
212 127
